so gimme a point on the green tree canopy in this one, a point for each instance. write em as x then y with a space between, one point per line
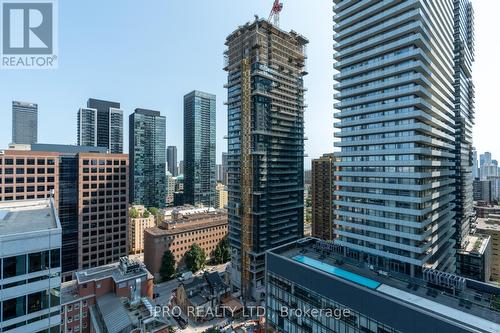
153 211
222 252
195 258
133 213
146 214
167 269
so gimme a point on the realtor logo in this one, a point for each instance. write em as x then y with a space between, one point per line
28 34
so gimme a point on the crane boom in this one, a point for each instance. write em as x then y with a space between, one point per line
274 15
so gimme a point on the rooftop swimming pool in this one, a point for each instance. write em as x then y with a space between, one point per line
337 271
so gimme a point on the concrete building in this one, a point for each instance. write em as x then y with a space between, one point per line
221 196
323 175
309 276
100 124
401 154
199 148
30 258
170 181
475 164
484 211
172 160
147 144
483 191
266 68
24 122
111 298
206 229
224 168
136 226
491 226
474 259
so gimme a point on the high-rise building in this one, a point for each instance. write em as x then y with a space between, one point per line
147 146
265 66
397 193
24 122
199 148
87 127
475 164
30 258
90 192
170 181
490 225
100 124
463 18
323 174
310 287
180 171
172 160
224 168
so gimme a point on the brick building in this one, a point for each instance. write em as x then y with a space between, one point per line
96 293
206 229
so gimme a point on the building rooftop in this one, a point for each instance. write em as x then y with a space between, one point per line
188 223
473 303
476 243
121 271
18 217
491 223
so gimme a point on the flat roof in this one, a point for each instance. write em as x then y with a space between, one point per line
487 224
17 217
110 271
473 307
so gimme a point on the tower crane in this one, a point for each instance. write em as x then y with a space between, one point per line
274 15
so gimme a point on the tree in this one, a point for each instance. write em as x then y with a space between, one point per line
146 214
133 213
153 211
195 258
222 253
167 269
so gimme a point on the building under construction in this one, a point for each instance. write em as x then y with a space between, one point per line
265 68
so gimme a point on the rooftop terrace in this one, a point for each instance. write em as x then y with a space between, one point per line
477 304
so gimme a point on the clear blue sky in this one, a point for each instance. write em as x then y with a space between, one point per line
149 54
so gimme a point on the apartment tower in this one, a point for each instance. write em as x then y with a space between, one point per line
265 67
24 122
397 117
147 145
199 148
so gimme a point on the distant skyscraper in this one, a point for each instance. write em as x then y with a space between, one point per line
170 188
475 164
219 174
399 140
265 85
24 122
172 160
180 170
100 124
147 146
199 148
322 186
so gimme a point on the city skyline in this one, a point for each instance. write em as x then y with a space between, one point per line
132 87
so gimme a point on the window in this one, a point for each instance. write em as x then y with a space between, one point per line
38 261
13 308
55 258
38 301
14 266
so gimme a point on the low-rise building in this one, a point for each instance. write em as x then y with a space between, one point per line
312 287
491 226
206 229
221 196
200 298
139 219
30 261
474 259
483 210
111 298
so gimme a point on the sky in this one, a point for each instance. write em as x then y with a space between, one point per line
149 54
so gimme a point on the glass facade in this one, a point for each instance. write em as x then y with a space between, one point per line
108 125
24 122
172 160
147 146
396 192
87 129
199 148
